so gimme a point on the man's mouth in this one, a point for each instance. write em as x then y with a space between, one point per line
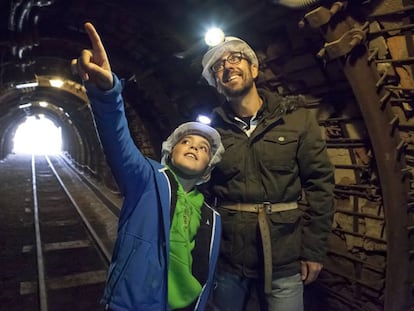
232 76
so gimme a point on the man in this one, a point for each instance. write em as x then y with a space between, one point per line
164 222
274 154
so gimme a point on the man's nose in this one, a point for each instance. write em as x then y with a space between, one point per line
227 64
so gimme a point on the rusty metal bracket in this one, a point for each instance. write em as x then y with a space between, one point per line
344 44
321 15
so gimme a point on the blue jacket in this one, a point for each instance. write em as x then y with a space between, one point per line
137 277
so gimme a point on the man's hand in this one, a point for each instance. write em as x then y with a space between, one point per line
93 65
310 271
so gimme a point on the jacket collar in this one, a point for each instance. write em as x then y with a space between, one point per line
273 107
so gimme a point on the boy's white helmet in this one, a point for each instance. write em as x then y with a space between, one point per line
195 128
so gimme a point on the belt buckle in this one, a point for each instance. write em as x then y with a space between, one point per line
267 207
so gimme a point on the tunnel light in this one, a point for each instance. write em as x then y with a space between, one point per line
25 105
203 119
43 104
214 36
26 85
56 83
38 135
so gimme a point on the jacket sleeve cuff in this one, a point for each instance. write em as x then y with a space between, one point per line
107 96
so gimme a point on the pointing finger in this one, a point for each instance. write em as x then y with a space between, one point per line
97 46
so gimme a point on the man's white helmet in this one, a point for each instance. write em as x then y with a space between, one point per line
230 44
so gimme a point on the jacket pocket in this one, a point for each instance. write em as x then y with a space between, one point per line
137 275
126 253
279 150
286 233
239 236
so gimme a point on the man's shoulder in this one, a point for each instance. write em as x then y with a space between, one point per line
286 104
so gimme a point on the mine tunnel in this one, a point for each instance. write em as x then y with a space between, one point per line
351 60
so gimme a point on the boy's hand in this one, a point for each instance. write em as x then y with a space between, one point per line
93 65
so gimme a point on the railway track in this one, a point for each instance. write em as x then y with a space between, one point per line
58 238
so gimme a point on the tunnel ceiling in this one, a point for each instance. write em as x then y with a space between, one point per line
155 45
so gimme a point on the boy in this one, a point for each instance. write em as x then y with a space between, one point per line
164 221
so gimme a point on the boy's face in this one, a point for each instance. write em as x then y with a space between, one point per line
191 154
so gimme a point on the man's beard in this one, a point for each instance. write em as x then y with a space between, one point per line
229 92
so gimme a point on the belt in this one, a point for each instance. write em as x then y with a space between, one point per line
263 209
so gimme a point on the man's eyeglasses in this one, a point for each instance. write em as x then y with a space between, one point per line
234 58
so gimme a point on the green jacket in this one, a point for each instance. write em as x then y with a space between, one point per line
284 160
